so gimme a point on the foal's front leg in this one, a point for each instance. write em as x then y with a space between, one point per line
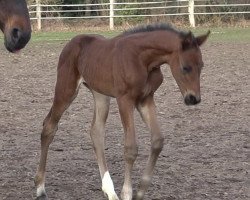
97 134
148 113
126 109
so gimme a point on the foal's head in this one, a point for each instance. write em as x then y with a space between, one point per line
186 64
15 24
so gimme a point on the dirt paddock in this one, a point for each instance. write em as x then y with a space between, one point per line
206 152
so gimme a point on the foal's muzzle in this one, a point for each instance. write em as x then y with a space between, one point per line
191 99
16 39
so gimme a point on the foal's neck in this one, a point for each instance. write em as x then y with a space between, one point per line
156 47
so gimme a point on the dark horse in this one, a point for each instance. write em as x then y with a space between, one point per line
15 24
128 68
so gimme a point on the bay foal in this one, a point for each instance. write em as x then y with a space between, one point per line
15 24
126 67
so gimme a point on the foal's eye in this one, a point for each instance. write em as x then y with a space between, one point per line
186 69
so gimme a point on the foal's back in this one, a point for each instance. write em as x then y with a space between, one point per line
112 66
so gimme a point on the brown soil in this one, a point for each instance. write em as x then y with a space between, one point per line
206 153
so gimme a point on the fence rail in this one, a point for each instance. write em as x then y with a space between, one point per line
111 10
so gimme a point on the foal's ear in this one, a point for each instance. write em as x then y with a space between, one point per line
202 38
187 40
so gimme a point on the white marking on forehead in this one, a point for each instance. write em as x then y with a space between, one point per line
108 187
40 190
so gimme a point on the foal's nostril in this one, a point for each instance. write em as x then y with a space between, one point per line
15 33
191 100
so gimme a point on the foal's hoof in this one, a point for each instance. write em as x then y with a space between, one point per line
111 197
43 197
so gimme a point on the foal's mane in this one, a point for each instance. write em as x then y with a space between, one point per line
154 27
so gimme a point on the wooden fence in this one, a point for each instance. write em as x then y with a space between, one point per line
112 10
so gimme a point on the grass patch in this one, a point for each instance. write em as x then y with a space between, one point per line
218 34
65 36
226 34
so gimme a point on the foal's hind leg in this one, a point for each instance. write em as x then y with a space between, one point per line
97 135
68 80
148 113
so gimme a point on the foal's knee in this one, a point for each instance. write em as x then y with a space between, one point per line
131 153
157 144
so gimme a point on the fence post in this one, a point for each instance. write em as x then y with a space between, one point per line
191 13
38 15
111 15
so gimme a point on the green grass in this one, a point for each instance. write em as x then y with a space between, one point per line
64 36
218 34
226 34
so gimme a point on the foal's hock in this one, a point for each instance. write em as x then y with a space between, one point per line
128 68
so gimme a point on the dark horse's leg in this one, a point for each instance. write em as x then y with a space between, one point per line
97 134
148 113
68 80
126 109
